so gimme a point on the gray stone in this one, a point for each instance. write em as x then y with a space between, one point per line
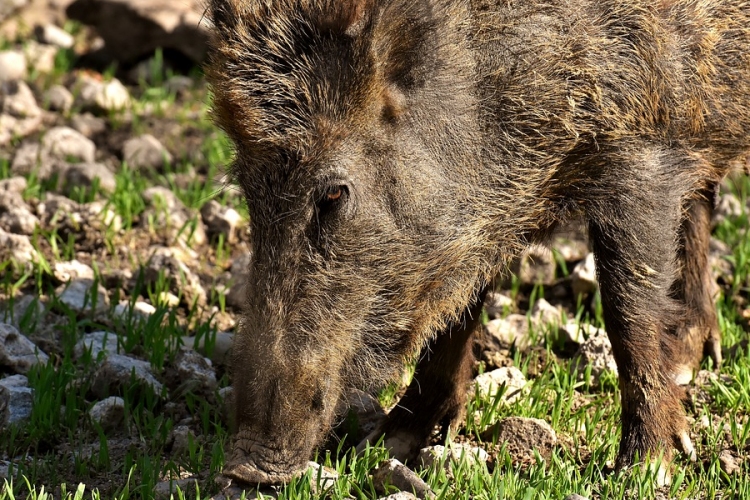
179 84
367 409
401 495
145 152
16 400
537 266
168 489
68 270
522 436
77 295
221 220
112 96
433 456
28 305
513 329
191 366
117 371
13 185
54 35
12 65
497 304
56 208
575 496
170 219
576 333
64 143
109 413
20 115
140 311
181 437
19 220
133 29
596 352
39 56
321 478
17 247
394 473
544 313
85 174
510 377
95 343
59 99
28 159
8 7
100 216
728 462
727 207
583 277
570 249
17 352
164 264
88 124
221 346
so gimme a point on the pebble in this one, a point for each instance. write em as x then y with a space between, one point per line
221 346
497 304
514 381
168 489
513 329
537 266
54 35
145 152
522 436
95 343
394 473
40 56
596 352
140 311
108 413
455 452
64 143
16 400
575 496
17 352
76 294
401 495
181 437
19 100
13 185
583 277
112 96
12 65
18 248
117 371
67 270
192 367
86 174
728 462
88 124
59 99
577 333
19 219
27 160
220 220
544 313
321 478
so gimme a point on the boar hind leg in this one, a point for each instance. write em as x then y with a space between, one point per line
437 394
698 331
634 227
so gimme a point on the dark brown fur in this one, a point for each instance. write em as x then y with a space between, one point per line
452 134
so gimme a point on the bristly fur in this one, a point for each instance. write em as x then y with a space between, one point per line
456 133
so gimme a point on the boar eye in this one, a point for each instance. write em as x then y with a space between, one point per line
333 195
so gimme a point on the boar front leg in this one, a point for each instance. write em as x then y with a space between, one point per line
698 331
634 218
437 394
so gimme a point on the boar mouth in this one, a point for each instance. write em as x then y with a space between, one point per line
255 463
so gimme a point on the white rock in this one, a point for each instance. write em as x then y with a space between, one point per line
192 366
59 98
17 352
77 296
522 436
145 152
596 352
221 220
53 35
496 304
392 472
108 413
112 96
510 377
513 329
141 311
117 371
63 143
66 271
19 220
12 65
583 277
18 248
86 174
16 400
95 343
39 56
455 452
544 313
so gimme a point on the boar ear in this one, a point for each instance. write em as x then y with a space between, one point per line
349 17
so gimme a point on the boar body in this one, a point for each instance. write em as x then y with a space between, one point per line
397 154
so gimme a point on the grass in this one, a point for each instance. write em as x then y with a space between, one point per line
61 453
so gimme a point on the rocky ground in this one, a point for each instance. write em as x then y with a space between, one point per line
122 255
